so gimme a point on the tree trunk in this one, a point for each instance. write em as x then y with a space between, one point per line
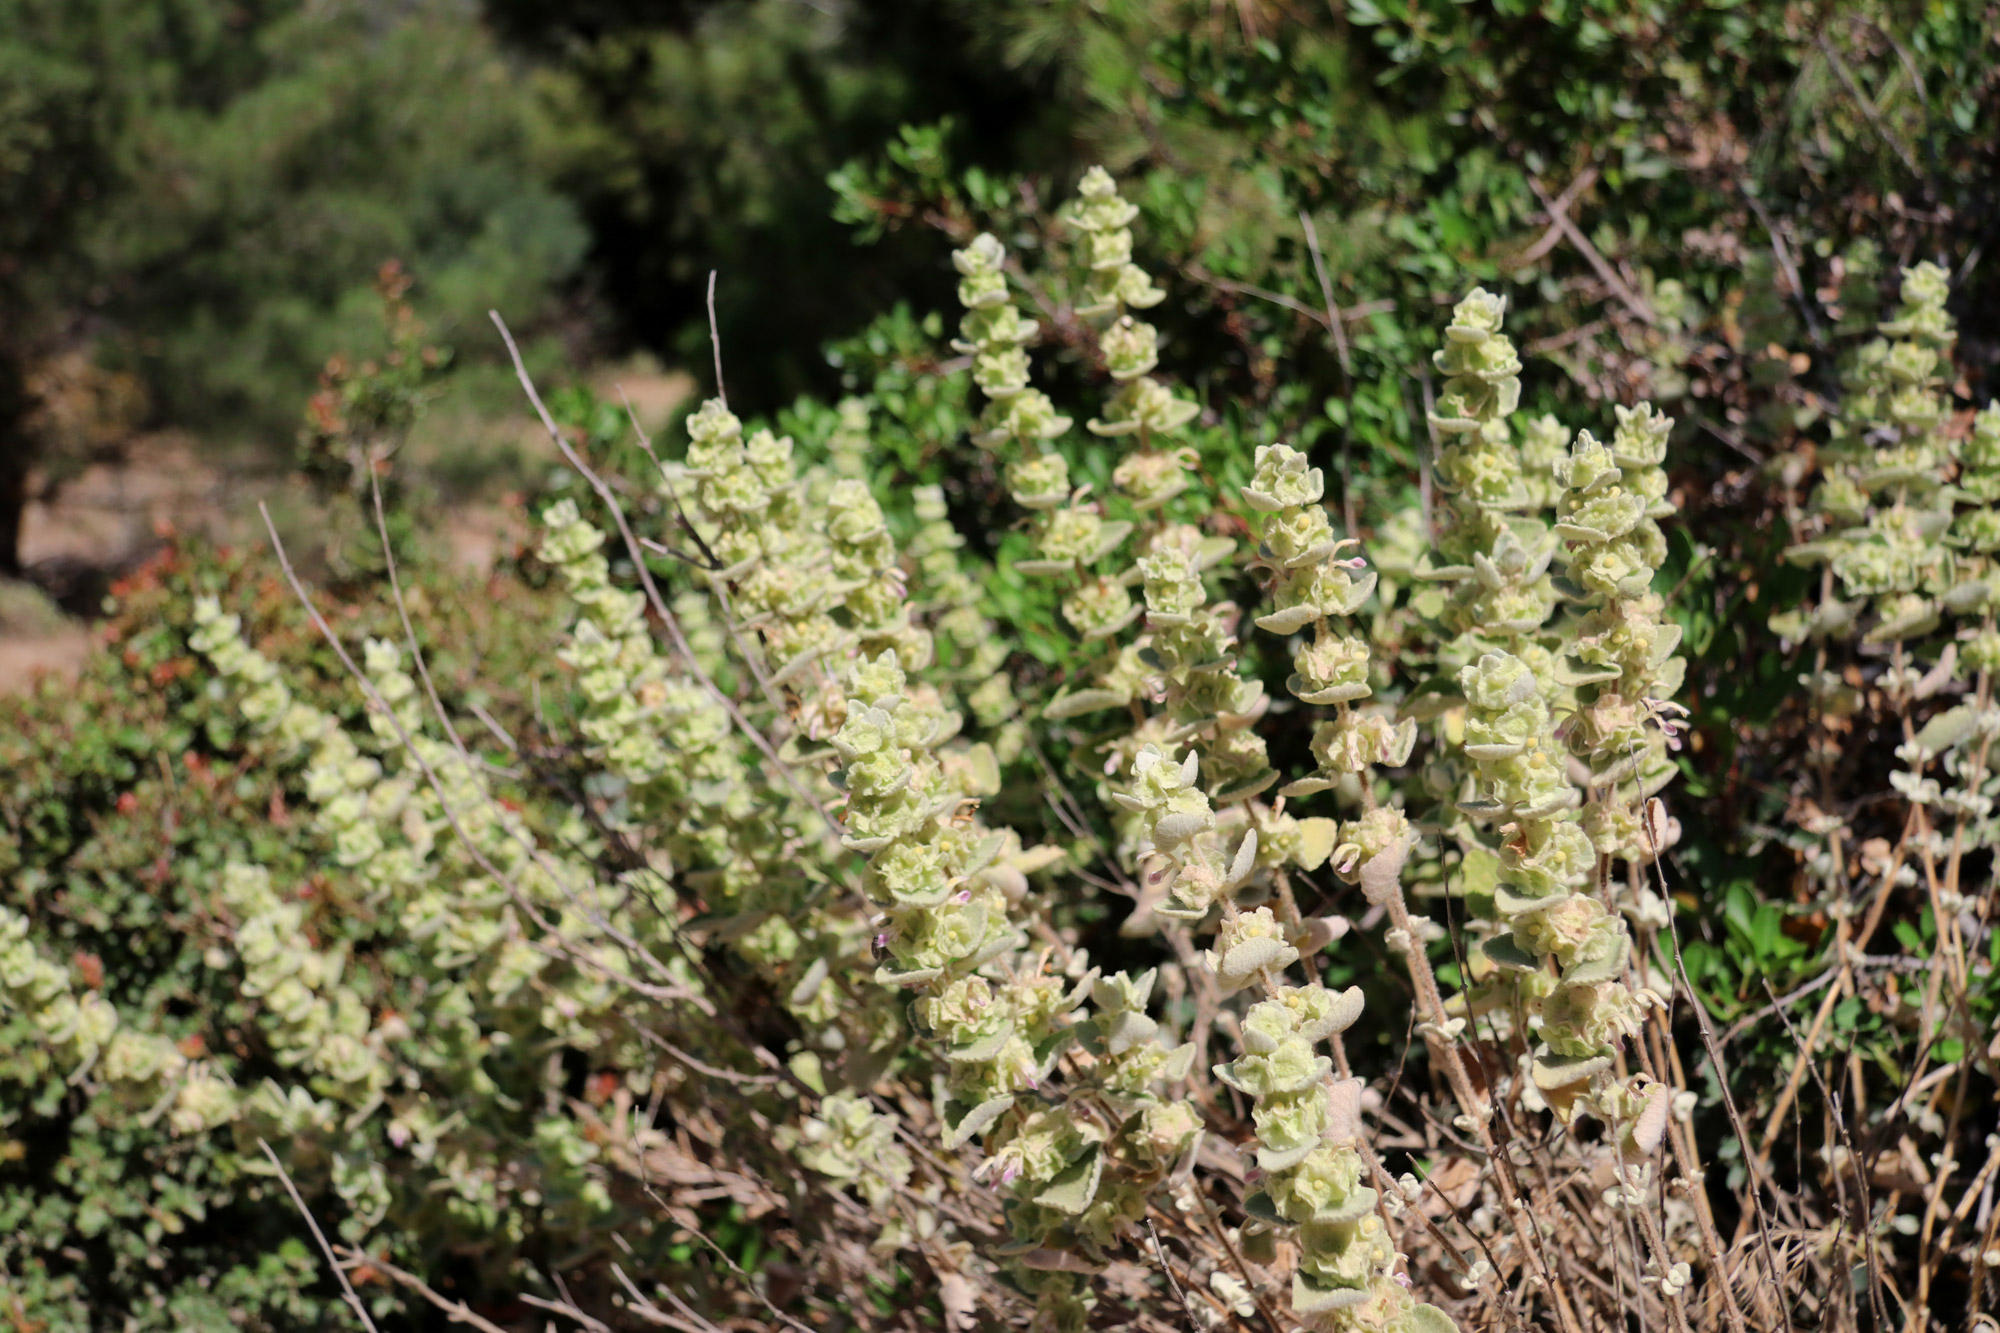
13 499
16 455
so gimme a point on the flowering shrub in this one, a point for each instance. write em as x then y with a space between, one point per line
798 912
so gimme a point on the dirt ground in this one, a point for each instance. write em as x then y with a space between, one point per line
115 514
105 520
23 657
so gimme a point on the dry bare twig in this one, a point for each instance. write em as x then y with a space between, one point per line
339 1273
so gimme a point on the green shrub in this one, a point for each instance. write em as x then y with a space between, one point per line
126 796
893 885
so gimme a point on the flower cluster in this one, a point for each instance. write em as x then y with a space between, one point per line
1905 523
1314 583
1569 951
1185 783
633 709
951 596
814 580
1308 1124
848 446
1150 476
903 812
1621 657
1495 550
1001 1021
144 1073
1071 533
812 571
314 1020
1884 511
849 1141
1177 848
1308 1135
485 907
1188 657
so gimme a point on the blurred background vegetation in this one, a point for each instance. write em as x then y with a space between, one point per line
200 201
196 195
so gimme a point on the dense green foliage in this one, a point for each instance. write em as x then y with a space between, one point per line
652 103
197 197
1166 643
126 793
